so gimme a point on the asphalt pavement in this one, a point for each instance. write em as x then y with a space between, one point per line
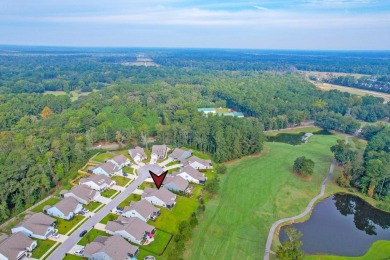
74 238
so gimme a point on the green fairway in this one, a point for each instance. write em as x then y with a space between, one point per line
379 250
256 192
49 202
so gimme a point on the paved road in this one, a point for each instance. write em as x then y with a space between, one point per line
73 239
304 213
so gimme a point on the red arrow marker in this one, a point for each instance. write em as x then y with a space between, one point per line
158 179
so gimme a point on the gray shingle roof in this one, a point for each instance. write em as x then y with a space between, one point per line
115 247
67 205
109 167
133 226
143 207
194 173
137 150
196 159
37 223
177 153
119 159
14 244
159 150
99 179
83 192
179 182
163 194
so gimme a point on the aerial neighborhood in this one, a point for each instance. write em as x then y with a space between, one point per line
128 227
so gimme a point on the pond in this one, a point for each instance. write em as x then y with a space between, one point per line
342 225
293 139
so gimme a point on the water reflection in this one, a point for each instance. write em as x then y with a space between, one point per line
342 225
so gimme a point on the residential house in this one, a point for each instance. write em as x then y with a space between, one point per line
16 246
197 163
175 183
120 161
138 154
133 229
192 175
108 168
37 225
160 197
159 152
180 154
142 209
82 193
99 182
65 209
110 248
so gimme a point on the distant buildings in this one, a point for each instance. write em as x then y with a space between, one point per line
220 111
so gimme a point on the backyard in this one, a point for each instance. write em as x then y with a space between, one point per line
161 240
49 202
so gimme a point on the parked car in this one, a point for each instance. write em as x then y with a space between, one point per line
125 174
55 235
79 252
119 208
83 233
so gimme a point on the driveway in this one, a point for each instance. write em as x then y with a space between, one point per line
134 166
175 166
103 200
61 239
75 248
100 226
118 188
74 238
163 163
138 192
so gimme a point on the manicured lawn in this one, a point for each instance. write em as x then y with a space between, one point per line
169 219
103 156
200 154
90 236
109 217
92 205
378 250
42 247
161 240
128 170
132 197
49 202
142 253
309 129
64 226
108 193
173 163
254 193
146 184
121 181
73 257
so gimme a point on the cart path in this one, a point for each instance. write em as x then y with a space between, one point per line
304 213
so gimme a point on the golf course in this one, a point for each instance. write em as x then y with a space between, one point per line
255 192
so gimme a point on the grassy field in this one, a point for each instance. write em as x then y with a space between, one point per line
49 202
109 217
356 91
147 185
121 181
64 226
42 247
73 94
161 240
90 236
255 192
379 250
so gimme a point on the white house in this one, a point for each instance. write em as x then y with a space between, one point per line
65 209
17 246
192 175
138 154
133 229
82 194
120 161
180 154
110 248
99 182
142 209
37 225
160 197
197 163
159 152
108 168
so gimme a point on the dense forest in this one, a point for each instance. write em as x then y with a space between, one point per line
45 138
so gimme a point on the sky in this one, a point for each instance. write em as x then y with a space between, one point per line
262 24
